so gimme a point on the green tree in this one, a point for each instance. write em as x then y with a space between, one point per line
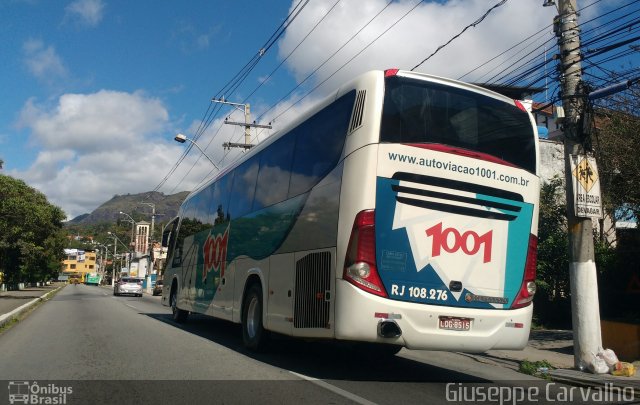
31 235
616 146
552 300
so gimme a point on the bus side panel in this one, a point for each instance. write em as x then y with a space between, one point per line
295 281
222 304
280 298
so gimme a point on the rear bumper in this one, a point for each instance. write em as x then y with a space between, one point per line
136 291
491 329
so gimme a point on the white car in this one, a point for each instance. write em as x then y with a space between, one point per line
128 285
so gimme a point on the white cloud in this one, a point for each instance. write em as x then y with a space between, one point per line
79 120
418 35
85 12
100 144
43 61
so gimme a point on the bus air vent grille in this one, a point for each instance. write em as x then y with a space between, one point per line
358 111
312 293
457 197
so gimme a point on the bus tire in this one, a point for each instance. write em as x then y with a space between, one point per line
254 336
178 315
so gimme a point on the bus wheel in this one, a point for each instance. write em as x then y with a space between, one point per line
253 334
179 315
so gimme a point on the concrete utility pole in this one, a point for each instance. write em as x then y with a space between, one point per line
585 308
246 124
113 262
150 244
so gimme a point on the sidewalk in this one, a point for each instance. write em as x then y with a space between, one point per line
13 303
554 346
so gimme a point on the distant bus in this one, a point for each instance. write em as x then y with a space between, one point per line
400 212
93 279
76 278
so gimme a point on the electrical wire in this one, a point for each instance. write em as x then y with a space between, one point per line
473 24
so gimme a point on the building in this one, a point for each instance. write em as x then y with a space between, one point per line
78 261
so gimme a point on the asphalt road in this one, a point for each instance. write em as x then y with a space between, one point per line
107 349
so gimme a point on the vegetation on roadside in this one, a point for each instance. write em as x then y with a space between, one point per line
614 140
32 237
538 369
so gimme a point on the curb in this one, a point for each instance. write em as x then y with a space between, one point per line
6 318
596 380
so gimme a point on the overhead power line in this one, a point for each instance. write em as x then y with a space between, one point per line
473 24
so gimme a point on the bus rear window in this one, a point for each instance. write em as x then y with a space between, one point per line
417 111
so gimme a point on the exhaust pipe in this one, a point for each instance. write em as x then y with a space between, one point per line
389 329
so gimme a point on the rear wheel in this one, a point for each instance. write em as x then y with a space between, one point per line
254 335
179 315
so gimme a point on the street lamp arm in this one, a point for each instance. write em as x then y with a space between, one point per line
182 138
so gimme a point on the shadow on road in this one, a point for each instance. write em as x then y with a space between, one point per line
321 359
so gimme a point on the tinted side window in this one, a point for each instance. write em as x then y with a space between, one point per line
319 144
244 187
219 208
275 171
201 205
177 238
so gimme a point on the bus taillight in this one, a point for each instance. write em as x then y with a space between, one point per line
528 288
390 72
520 105
360 264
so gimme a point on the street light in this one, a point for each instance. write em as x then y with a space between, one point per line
133 225
115 246
103 259
182 138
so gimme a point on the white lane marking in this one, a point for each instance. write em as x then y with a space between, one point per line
131 306
334 389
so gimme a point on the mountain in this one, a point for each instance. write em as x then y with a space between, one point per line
135 205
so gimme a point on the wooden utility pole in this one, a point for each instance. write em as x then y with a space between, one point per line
585 307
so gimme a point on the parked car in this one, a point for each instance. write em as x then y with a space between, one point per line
157 289
128 285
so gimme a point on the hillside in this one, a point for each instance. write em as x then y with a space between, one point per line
166 208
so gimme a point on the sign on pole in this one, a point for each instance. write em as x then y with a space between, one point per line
586 187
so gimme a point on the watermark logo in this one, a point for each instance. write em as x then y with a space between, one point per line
549 393
25 392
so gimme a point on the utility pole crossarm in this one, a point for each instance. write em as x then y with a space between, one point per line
242 124
246 124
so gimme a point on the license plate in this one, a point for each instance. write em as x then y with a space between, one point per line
454 323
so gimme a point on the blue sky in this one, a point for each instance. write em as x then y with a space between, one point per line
93 91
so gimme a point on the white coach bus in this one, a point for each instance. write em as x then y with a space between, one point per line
400 212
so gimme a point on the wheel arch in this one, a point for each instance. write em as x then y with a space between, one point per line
254 277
